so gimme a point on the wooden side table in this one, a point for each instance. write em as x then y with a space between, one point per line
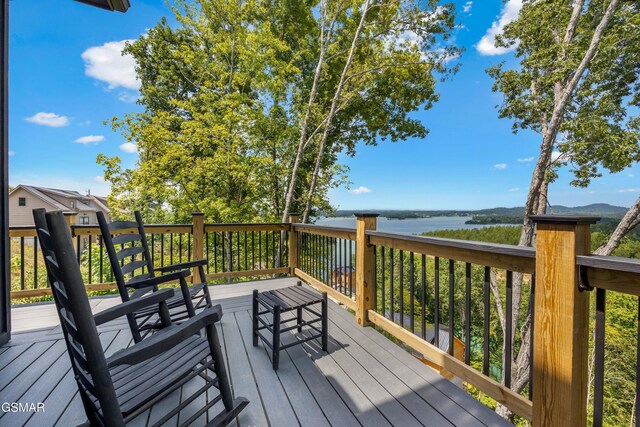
279 301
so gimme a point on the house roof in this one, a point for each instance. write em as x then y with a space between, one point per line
83 202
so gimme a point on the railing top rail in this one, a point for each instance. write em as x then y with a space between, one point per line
236 224
629 265
495 248
335 232
324 227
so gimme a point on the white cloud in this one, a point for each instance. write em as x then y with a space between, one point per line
514 189
128 97
12 153
360 190
89 139
129 147
556 155
106 63
487 44
500 166
525 160
49 119
98 178
629 190
467 7
631 175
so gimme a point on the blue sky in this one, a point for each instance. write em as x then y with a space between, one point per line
67 77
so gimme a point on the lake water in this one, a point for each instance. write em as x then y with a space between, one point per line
409 226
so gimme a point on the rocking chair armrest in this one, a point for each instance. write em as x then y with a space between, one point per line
158 280
133 305
165 339
189 264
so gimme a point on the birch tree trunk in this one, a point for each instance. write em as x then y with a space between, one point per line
332 111
630 220
325 38
537 197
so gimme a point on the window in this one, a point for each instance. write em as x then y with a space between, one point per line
84 220
73 204
22 201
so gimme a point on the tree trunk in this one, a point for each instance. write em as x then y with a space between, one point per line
324 42
332 111
628 222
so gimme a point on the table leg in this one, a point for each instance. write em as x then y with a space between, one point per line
325 322
276 337
255 317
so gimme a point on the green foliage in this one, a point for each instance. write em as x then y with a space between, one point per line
225 91
600 127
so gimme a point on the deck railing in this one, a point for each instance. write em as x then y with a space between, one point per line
438 296
232 251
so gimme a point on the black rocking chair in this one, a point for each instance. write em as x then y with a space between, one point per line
134 259
117 389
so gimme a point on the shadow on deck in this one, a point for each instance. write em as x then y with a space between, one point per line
364 379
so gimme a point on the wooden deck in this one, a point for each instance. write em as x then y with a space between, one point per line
364 380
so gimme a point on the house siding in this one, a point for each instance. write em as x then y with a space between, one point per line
23 215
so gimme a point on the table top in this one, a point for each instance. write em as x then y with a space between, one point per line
289 298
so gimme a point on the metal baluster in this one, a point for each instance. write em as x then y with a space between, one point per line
487 320
436 304
351 270
532 293
273 248
246 265
509 330
223 244
238 249
206 239
180 247
467 315
161 250
384 309
423 298
401 296
22 263
171 249
253 250
35 262
391 290
375 276
101 256
411 289
89 272
598 368
215 252
452 279
153 253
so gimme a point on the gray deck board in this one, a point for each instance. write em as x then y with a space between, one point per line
363 380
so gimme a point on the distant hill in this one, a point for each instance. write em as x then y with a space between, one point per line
508 215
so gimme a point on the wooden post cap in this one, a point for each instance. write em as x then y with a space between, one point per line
70 213
564 219
366 215
197 213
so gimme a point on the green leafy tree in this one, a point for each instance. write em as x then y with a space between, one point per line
575 84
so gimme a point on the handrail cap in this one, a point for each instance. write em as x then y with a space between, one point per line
366 215
564 219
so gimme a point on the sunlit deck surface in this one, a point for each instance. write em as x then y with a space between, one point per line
365 379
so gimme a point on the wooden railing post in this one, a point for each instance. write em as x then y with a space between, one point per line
560 332
294 218
365 267
197 248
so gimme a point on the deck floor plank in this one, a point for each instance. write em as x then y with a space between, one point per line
302 402
363 380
